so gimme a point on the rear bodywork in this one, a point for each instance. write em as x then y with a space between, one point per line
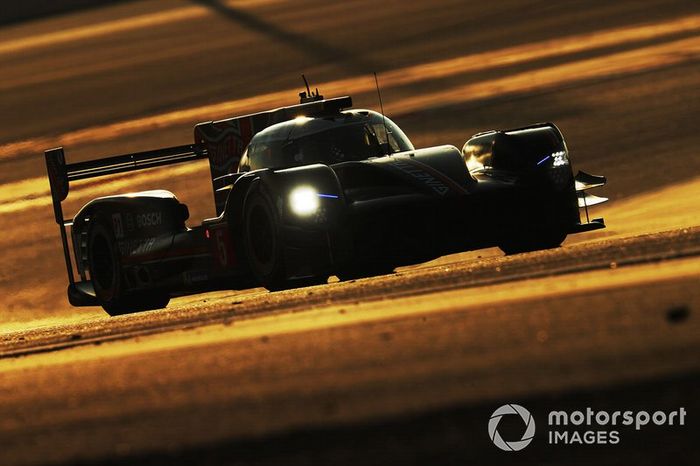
376 212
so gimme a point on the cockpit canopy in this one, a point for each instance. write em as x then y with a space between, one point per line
347 136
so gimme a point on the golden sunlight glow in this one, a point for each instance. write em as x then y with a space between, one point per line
643 58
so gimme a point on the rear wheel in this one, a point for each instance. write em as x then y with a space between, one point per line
108 280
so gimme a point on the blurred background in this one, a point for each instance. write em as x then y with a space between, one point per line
106 77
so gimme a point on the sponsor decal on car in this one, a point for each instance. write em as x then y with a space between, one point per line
136 246
149 219
419 174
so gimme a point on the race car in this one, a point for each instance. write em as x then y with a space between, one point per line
309 191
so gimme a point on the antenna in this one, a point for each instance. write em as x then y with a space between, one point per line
308 90
381 107
309 96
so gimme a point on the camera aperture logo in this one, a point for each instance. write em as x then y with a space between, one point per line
515 445
584 427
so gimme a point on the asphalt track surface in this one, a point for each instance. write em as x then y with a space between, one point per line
402 368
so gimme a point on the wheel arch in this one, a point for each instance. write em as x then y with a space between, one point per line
235 201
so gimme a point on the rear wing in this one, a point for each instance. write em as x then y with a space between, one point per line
62 174
225 140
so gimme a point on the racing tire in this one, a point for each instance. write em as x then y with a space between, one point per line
108 279
263 243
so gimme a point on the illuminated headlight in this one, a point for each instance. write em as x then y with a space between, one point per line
559 159
304 200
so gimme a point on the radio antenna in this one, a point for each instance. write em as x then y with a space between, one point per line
381 107
308 96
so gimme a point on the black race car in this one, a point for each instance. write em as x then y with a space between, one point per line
313 190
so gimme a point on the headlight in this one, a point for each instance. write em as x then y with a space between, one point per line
559 159
304 200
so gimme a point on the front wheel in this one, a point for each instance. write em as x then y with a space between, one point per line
263 243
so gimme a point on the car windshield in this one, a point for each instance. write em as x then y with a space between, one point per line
339 144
